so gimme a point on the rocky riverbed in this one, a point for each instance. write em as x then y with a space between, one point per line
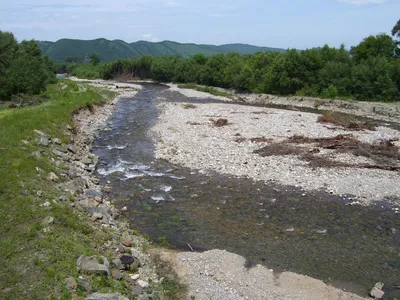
192 135
188 136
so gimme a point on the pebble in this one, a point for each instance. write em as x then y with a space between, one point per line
135 276
143 284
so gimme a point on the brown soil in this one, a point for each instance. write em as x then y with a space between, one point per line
193 123
385 154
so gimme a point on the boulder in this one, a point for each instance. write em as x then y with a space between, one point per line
91 265
130 262
44 140
57 141
71 148
98 296
377 292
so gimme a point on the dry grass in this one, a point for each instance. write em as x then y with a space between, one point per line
385 154
344 120
189 106
193 123
220 122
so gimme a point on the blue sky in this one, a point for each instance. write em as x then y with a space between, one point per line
276 23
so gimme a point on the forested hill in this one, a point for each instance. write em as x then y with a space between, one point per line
112 50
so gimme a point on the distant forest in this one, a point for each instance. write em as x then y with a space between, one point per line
369 71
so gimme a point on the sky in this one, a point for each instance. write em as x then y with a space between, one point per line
285 24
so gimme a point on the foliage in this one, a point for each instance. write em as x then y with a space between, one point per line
372 46
22 68
369 71
109 51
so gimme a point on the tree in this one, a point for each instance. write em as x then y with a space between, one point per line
396 34
8 47
94 58
396 30
373 46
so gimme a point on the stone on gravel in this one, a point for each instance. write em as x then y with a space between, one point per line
126 243
143 284
52 177
98 296
91 265
135 276
70 283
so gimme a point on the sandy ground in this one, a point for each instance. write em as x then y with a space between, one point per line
218 274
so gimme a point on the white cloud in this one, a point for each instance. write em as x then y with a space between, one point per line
363 2
173 4
149 37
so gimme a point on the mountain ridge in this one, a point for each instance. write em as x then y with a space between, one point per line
111 50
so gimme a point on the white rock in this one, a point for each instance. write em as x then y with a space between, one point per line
143 284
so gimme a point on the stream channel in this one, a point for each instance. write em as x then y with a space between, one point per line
320 235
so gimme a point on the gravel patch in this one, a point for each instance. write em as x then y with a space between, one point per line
218 274
206 147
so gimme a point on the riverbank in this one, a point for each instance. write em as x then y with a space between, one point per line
63 238
307 162
389 112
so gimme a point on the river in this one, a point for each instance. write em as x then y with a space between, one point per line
320 235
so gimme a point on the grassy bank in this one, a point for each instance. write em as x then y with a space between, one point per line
34 263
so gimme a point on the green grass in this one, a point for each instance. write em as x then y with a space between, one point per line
206 89
33 264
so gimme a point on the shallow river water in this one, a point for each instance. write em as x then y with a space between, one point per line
283 227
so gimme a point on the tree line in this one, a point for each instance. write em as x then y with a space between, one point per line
22 68
368 71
